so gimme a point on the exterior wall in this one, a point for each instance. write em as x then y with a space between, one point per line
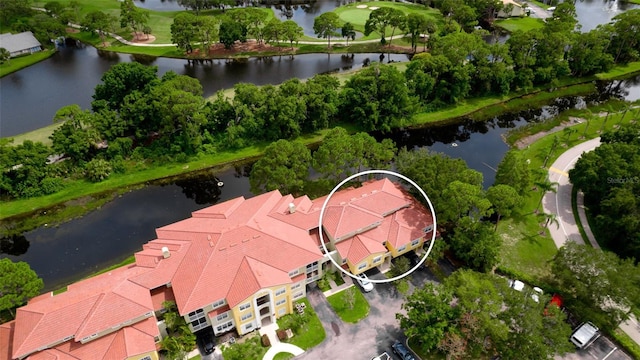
200 314
395 252
153 355
26 51
369 262
248 315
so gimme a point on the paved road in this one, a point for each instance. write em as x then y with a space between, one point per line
539 12
559 203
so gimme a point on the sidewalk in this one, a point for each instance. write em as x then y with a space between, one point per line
348 282
277 346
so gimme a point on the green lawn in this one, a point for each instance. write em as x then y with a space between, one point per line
22 62
360 307
620 70
38 135
311 334
522 23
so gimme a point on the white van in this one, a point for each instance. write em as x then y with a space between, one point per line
584 335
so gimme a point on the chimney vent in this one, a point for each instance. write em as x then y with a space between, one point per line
165 252
292 208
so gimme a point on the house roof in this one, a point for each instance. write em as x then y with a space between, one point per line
18 42
6 340
357 248
88 307
127 342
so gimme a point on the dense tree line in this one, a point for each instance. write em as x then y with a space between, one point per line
609 176
472 315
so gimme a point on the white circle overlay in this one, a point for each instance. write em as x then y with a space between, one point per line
386 172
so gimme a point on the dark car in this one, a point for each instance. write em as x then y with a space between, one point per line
208 347
402 351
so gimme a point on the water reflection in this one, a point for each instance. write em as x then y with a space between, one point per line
14 245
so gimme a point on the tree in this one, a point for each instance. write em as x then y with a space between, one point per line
513 170
273 30
545 186
380 19
284 166
5 55
348 32
18 284
350 297
321 97
98 22
429 315
433 172
375 98
292 31
417 25
598 282
325 26
230 32
625 44
587 54
184 31
464 199
397 20
504 199
121 80
208 29
476 244
127 14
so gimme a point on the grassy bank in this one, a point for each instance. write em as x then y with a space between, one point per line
22 62
523 23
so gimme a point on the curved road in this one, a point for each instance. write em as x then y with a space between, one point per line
559 204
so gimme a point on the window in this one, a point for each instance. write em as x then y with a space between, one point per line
281 301
245 306
297 295
295 286
222 316
199 323
281 291
248 327
402 248
225 326
415 242
428 228
196 314
246 316
146 358
282 311
362 265
218 303
344 261
377 259
294 272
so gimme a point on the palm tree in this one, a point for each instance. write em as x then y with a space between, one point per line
555 143
549 219
587 119
544 187
627 107
609 111
568 131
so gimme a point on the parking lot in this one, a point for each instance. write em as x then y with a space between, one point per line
601 349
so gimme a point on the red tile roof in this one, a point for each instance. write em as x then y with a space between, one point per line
6 340
357 248
87 307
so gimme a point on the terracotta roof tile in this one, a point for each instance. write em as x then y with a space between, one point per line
341 221
359 247
6 340
160 295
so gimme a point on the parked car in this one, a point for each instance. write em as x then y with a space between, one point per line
584 335
363 280
383 356
536 294
402 351
516 285
553 8
208 347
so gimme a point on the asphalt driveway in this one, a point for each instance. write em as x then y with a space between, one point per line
372 335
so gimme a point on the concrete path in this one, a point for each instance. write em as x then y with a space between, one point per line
281 347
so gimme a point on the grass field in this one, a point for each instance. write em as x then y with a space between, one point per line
22 62
523 23
311 334
351 315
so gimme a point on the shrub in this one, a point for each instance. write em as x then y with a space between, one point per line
97 170
282 334
265 341
50 185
